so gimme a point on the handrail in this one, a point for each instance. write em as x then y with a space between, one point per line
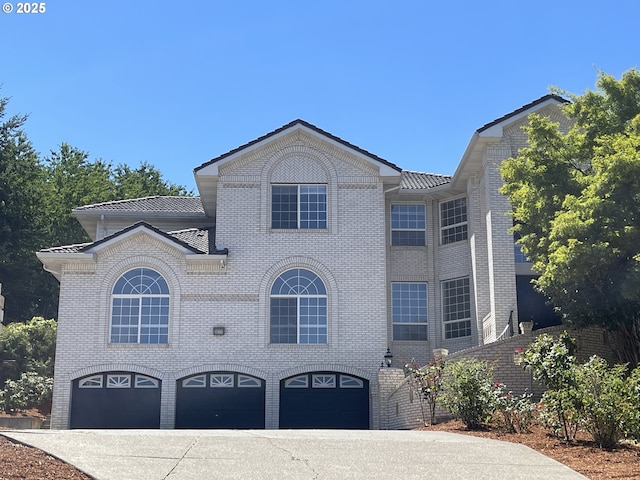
508 328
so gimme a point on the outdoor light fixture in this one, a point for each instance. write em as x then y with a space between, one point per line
388 357
218 331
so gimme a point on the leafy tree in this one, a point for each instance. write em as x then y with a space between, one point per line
576 206
144 181
73 180
428 382
22 223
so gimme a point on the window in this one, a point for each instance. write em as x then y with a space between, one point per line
91 382
298 305
222 380
323 381
140 308
301 381
453 221
246 381
408 225
299 206
118 381
456 308
409 311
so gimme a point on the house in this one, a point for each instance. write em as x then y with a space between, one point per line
269 301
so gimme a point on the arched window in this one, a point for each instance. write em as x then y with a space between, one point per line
298 308
140 308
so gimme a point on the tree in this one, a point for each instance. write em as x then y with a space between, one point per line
576 208
144 181
22 223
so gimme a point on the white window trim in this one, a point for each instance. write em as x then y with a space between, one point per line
301 381
198 381
425 323
221 380
119 380
247 381
142 381
347 381
323 380
95 381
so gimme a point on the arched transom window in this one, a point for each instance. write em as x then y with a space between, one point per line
298 308
140 308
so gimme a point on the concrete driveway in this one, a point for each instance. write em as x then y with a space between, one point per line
291 454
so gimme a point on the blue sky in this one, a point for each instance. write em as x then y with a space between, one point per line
178 83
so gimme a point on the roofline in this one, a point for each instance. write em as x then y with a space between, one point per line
288 126
550 96
135 226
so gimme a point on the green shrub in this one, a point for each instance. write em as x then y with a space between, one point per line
632 419
553 363
468 391
30 390
516 412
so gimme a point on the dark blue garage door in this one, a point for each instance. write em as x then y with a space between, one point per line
115 400
324 400
220 400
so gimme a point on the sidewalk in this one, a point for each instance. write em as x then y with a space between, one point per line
291 454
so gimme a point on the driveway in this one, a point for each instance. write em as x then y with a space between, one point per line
291 454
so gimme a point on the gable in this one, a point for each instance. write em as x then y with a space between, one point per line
296 147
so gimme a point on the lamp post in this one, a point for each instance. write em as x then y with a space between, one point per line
388 357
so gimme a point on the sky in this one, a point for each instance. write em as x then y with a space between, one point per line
178 83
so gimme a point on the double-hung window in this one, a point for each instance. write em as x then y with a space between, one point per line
299 207
456 308
298 308
408 225
140 308
453 221
409 311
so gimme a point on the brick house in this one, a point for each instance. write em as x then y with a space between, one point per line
270 300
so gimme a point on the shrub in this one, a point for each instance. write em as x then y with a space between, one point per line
428 381
30 390
553 363
605 403
468 391
632 418
516 411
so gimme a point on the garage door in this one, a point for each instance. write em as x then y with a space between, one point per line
324 400
115 400
220 400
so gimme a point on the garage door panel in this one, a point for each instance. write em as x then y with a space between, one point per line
95 405
324 400
220 400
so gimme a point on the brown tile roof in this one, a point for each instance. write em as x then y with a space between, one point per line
289 125
418 180
157 203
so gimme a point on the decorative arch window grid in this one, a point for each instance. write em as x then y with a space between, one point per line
298 308
140 308
299 207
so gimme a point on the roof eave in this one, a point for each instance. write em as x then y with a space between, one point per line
53 262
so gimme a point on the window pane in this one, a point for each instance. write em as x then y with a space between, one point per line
313 206
284 206
284 320
456 305
313 320
408 225
409 311
453 220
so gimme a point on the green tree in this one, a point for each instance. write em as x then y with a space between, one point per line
576 206
144 181
22 223
28 347
73 180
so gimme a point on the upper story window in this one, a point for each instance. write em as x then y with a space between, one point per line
298 308
453 221
408 225
140 308
456 307
409 311
299 206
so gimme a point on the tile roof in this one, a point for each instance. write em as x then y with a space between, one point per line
418 180
195 239
550 96
289 125
159 204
